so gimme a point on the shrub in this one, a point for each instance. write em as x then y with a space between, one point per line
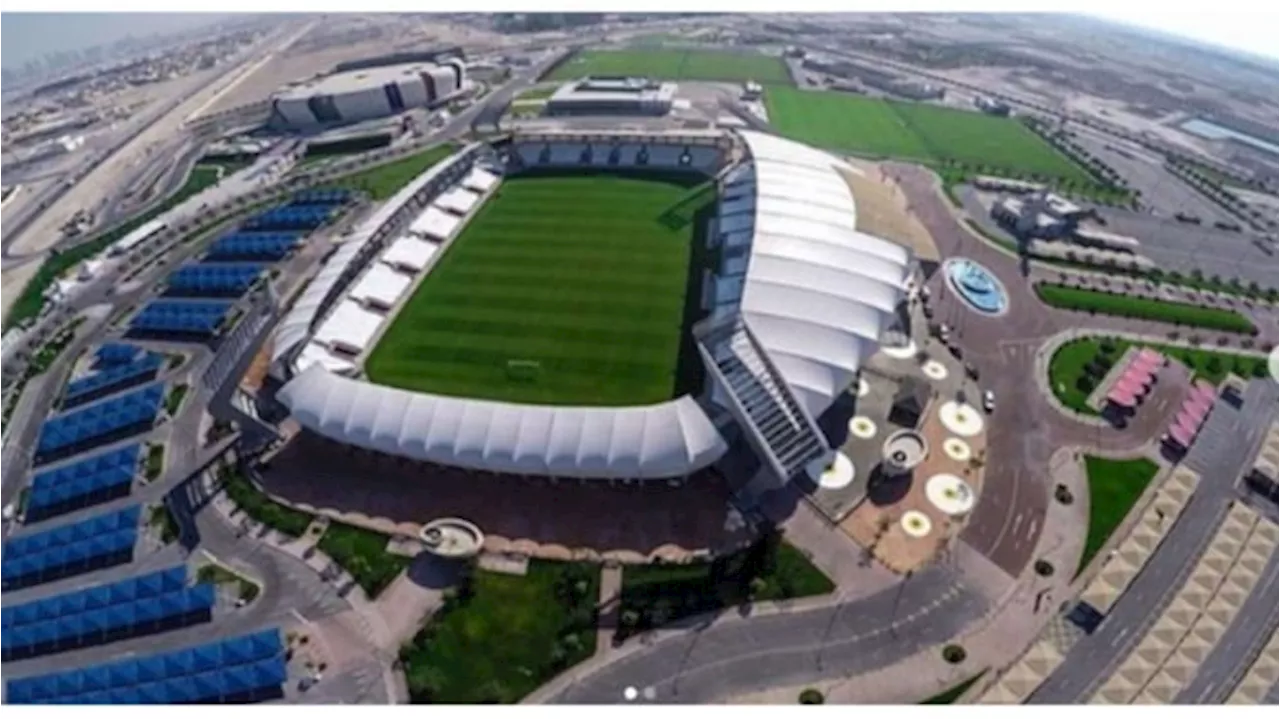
812 696
954 654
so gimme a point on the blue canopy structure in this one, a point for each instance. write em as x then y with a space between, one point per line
93 480
167 317
239 246
74 431
213 280
95 543
111 380
114 353
290 217
158 601
322 196
242 669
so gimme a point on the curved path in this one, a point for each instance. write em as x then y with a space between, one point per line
830 637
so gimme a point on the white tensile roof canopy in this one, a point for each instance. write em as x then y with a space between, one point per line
815 291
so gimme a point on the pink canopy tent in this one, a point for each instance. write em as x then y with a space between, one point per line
1205 388
1199 405
1130 386
1137 374
1118 396
1180 435
1149 358
1190 423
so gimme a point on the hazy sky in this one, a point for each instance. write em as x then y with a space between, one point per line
26 36
1253 32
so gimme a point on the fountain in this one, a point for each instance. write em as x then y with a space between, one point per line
949 494
903 451
452 537
975 284
934 370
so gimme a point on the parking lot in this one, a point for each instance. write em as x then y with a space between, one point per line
1185 247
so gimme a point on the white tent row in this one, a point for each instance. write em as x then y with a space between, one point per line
349 328
409 254
457 200
435 224
316 353
479 180
380 287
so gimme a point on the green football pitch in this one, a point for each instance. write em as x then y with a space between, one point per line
563 289
916 131
704 65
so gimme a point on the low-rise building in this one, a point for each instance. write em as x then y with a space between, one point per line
612 96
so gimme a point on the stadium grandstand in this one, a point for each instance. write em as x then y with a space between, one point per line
798 300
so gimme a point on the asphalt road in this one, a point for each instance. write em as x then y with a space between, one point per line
1219 461
737 656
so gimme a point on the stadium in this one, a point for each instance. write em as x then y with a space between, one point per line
362 94
615 309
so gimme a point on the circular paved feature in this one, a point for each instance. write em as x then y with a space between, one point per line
916 524
950 494
957 449
862 427
833 473
906 351
934 370
961 419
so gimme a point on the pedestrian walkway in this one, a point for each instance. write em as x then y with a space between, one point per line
1260 679
1127 560
608 606
1171 651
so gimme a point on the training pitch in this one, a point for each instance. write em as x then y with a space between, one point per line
704 65
925 133
564 289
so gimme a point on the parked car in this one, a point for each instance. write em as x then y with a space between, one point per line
989 401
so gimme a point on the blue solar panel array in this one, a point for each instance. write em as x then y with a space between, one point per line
163 317
70 432
322 196
290 217
270 246
95 543
155 602
243 669
213 280
98 479
111 380
115 353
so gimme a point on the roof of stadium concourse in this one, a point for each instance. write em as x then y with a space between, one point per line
294 329
815 291
654 442
381 285
409 252
350 327
479 180
457 199
434 223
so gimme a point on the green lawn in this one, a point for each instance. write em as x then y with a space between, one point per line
564 289
537 93
843 122
975 139
704 65
1114 486
504 636
260 508
173 401
154 463
1070 362
950 696
1181 313
28 303
383 181
770 570
218 574
364 554
925 133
